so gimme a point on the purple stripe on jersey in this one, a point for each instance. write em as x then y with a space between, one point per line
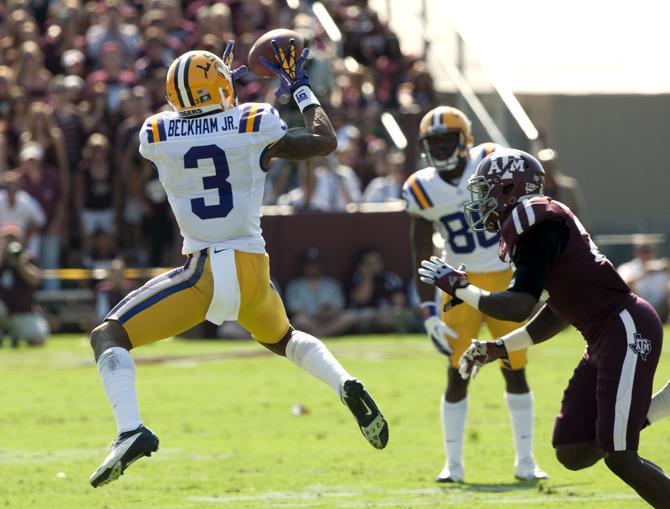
161 130
243 119
257 120
150 135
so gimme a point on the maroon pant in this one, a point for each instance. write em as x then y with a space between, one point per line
608 396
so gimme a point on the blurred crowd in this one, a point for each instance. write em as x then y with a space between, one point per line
78 78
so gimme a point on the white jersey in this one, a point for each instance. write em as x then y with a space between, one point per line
429 196
211 169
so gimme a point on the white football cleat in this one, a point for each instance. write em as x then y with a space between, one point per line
452 472
528 470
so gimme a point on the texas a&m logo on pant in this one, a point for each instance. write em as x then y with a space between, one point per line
641 346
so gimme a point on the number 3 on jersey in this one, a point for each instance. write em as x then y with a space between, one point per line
218 181
461 238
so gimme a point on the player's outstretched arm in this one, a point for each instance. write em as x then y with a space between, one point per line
514 306
317 138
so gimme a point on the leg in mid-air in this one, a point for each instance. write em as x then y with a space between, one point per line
117 371
311 355
263 314
164 307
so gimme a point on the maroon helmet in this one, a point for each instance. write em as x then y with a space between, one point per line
500 181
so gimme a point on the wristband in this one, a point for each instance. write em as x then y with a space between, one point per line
471 294
517 340
428 309
304 97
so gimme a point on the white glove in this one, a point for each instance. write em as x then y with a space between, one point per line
437 332
472 359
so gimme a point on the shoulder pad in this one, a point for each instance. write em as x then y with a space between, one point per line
414 193
527 214
153 130
260 117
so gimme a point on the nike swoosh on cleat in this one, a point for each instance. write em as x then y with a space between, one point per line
368 411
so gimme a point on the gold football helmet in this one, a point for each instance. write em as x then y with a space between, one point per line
446 137
199 82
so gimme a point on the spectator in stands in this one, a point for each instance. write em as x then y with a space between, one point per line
31 75
97 192
379 296
68 118
41 128
19 278
329 188
18 114
7 83
109 292
317 302
649 277
390 170
157 55
336 185
17 207
559 186
112 75
112 29
43 183
63 37
73 63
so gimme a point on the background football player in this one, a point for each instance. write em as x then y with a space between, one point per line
608 399
212 157
435 196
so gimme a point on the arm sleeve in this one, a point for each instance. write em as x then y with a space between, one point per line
535 251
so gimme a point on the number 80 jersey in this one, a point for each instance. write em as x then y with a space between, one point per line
212 172
430 197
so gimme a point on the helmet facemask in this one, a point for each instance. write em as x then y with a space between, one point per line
481 212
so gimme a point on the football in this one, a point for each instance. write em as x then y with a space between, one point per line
263 48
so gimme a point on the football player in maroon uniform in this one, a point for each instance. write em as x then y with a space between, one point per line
609 398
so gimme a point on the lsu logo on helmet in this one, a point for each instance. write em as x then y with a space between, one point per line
198 82
445 135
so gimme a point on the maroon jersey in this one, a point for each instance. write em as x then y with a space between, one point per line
584 288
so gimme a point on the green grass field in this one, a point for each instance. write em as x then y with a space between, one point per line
229 438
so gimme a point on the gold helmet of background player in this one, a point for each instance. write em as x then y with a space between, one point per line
446 137
199 82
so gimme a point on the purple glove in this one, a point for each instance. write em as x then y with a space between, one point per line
439 273
228 60
291 73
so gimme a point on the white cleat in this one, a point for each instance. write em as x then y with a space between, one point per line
528 470
452 472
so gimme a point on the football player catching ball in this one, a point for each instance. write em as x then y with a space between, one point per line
212 156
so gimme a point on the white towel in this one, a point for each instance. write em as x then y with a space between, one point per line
225 305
